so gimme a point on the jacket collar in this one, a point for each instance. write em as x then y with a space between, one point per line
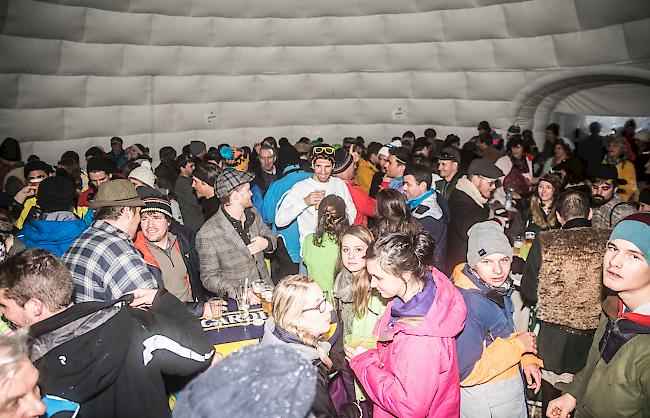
577 223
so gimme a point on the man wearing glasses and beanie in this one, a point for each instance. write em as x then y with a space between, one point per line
301 202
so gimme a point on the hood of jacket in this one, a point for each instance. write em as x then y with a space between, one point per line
44 233
466 186
445 318
82 350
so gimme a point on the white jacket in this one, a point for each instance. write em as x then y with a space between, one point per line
292 204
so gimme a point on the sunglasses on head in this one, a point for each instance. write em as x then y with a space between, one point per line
323 150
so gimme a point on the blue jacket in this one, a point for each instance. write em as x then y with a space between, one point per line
272 200
53 236
433 213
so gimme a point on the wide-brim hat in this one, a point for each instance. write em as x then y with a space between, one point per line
606 172
116 193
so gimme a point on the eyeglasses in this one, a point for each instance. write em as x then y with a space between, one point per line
323 150
320 307
490 181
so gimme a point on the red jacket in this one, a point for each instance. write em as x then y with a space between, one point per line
365 204
415 373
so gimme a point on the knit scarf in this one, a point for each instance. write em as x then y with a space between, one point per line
467 187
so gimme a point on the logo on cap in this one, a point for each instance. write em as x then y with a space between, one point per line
482 252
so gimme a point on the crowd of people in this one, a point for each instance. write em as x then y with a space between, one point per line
411 249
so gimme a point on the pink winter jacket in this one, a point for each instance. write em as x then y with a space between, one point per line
413 372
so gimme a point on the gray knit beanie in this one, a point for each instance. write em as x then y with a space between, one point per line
486 238
255 381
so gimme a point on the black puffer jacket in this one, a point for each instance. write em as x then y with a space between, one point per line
110 358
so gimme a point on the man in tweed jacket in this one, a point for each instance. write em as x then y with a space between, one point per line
231 244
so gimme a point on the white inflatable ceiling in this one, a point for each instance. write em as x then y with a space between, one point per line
161 72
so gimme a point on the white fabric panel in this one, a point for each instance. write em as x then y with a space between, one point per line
413 27
41 20
177 89
471 112
9 89
571 48
498 86
203 60
109 27
612 100
229 88
467 55
163 118
240 32
291 112
525 53
92 59
377 110
359 58
165 7
422 56
234 115
439 85
115 5
356 30
264 60
342 111
29 55
428 5
637 35
159 60
282 87
299 32
35 124
431 111
315 59
333 86
177 30
536 18
470 24
135 119
598 13
37 91
385 85
96 121
115 91
371 7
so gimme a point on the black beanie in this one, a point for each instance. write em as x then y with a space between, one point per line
100 164
38 165
10 150
56 193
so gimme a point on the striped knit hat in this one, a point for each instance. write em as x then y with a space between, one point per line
154 201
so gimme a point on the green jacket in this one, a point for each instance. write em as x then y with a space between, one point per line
620 389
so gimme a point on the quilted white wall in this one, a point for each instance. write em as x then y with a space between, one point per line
75 72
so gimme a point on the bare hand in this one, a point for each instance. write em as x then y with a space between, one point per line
351 352
214 308
314 198
216 358
528 340
561 407
257 244
533 377
257 147
25 193
143 298
355 155
252 298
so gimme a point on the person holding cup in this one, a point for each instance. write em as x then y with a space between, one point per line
413 370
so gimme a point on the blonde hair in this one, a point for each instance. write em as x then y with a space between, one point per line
289 299
361 282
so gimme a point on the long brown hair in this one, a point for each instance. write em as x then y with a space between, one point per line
393 215
361 291
289 299
537 214
332 219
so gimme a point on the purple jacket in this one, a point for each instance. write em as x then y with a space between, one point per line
413 372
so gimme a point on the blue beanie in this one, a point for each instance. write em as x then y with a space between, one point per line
635 229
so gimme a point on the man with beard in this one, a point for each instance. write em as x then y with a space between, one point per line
231 244
608 209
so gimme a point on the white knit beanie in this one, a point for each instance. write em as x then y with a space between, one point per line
144 174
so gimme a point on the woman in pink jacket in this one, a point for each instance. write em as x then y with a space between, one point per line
413 371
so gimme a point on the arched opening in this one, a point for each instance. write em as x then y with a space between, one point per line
534 104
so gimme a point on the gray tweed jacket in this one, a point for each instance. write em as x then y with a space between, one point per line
224 258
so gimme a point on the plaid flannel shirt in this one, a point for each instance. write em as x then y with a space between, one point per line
611 213
105 264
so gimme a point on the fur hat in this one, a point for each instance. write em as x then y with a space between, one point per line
486 238
255 381
144 174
